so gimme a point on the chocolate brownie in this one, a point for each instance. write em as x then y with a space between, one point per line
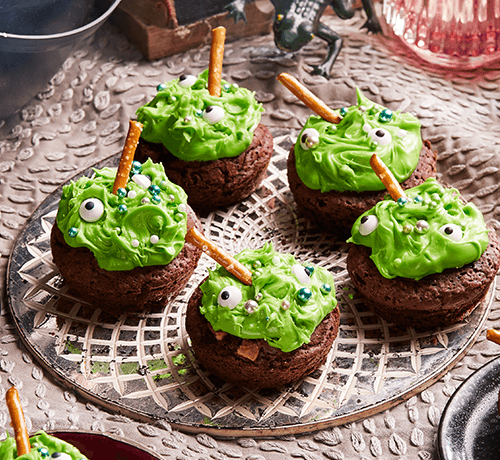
336 211
436 300
129 290
217 183
273 368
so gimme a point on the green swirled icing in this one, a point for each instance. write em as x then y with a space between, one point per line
43 446
273 282
123 239
341 159
177 118
433 231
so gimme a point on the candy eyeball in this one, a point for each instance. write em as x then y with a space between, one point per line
452 231
303 274
309 138
230 296
380 135
368 224
187 80
91 210
61 456
213 114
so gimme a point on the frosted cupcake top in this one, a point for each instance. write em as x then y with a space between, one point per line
143 224
332 156
432 231
43 447
195 126
284 304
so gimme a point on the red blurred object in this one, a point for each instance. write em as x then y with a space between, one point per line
448 33
100 446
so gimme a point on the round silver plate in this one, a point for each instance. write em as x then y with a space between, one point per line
142 365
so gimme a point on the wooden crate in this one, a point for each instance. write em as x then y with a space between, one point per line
153 27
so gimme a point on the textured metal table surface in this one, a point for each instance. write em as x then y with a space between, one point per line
82 117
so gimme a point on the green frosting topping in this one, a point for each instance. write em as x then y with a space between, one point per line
144 224
284 305
332 156
195 126
42 447
434 230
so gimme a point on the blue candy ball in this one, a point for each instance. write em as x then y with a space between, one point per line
385 115
304 294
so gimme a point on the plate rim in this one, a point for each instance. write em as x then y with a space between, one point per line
445 420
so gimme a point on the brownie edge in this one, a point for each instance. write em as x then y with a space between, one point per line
218 183
129 290
335 211
273 368
436 300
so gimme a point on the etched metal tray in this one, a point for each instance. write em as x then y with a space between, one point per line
141 365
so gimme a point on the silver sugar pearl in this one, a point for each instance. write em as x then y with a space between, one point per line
285 305
422 226
251 306
258 296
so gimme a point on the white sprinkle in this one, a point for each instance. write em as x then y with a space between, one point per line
132 194
402 133
276 260
154 239
367 128
182 208
141 180
145 200
135 243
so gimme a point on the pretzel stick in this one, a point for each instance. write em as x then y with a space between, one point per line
234 267
493 335
308 98
385 175
18 422
216 58
134 132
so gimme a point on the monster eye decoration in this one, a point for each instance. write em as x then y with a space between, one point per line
368 224
309 138
186 80
230 296
381 136
60 456
213 114
303 274
452 231
91 210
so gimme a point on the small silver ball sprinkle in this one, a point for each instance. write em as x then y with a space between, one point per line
285 305
407 229
422 225
251 306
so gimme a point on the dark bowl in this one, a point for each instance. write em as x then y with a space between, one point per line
100 446
36 37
